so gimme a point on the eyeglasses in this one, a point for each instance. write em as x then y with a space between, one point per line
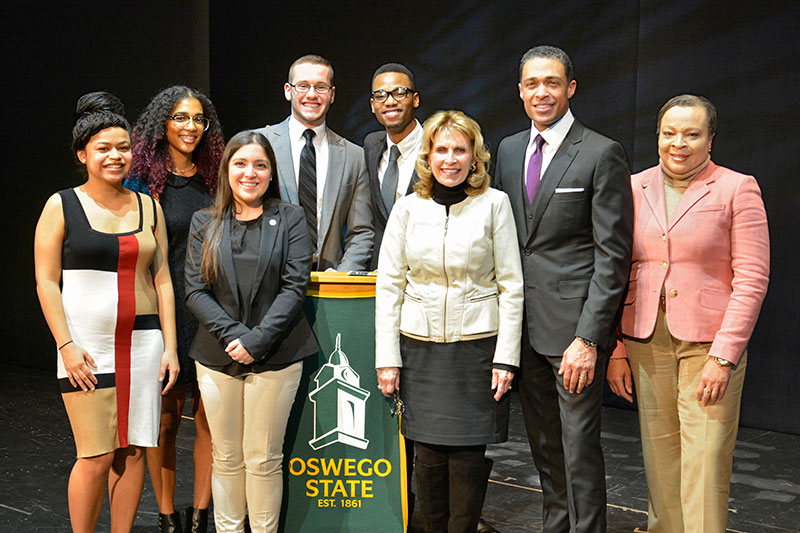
303 88
183 121
398 93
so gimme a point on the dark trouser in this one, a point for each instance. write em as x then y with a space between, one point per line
564 434
409 444
451 483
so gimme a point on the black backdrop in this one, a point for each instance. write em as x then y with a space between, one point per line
630 56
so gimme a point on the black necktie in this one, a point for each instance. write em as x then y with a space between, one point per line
389 185
307 185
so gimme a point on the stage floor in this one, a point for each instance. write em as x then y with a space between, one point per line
38 452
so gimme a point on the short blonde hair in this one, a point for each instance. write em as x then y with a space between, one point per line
457 122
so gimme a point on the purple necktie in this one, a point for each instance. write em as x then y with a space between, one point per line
534 169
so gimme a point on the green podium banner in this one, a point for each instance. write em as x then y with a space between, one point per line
344 462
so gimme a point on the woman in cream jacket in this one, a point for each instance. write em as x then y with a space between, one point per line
448 318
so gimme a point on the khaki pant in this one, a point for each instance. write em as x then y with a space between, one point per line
688 449
247 416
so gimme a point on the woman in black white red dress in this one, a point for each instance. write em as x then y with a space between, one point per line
177 146
105 290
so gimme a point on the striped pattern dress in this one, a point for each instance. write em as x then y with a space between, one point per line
112 312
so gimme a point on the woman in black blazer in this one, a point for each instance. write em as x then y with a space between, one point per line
247 269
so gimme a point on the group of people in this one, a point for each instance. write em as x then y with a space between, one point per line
547 273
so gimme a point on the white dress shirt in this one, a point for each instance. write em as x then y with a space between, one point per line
553 137
296 129
409 150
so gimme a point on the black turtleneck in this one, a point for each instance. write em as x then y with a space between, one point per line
448 196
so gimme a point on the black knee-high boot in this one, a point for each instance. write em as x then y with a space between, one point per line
433 496
468 484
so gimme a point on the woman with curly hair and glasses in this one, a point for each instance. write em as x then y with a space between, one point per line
177 147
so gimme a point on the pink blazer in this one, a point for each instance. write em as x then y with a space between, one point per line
712 259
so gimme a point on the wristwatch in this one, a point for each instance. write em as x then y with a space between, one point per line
588 343
722 362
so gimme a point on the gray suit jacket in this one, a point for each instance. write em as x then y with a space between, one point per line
374 147
345 225
575 239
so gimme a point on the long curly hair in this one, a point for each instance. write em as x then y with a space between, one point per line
152 162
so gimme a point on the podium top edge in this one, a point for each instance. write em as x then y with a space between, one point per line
342 277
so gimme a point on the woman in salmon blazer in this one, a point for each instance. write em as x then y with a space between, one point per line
699 273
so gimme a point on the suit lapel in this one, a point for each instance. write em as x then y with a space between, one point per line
283 156
699 188
374 154
270 227
653 192
516 185
554 174
333 182
226 257
414 179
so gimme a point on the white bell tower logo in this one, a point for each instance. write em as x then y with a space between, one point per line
339 403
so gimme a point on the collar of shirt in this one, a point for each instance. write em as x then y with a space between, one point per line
296 129
410 143
409 150
553 137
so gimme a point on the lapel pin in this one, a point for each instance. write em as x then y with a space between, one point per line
272 222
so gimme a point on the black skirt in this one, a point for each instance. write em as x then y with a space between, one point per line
446 389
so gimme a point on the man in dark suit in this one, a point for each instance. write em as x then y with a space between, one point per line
571 196
391 153
321 171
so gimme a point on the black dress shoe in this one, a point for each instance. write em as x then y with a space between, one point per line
169 523
196 520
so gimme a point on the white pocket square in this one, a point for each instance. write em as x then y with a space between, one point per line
561 190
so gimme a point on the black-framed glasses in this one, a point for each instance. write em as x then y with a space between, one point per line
398 93
303 88
183 121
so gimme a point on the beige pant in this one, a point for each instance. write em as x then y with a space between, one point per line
247 416
688 449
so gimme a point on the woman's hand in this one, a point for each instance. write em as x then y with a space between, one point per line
388 380
238 352
501 382
169 363
713 383
618 376
79 365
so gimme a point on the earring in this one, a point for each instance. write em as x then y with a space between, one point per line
474 167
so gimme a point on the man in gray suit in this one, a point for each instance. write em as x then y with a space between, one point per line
571 196
392 152
321 171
